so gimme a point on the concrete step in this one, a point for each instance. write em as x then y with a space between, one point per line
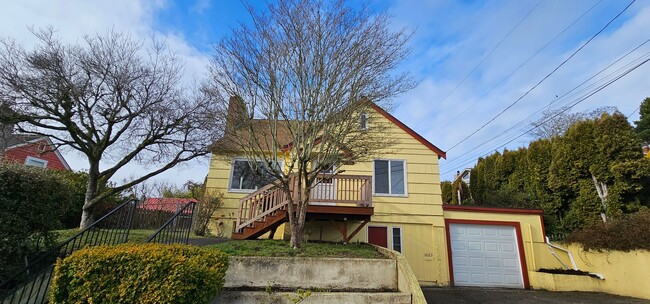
236 297
312 273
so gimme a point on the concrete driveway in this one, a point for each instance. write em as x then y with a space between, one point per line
466 295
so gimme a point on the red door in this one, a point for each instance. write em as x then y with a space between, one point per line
378 236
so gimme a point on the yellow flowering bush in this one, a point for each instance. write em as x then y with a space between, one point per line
142 273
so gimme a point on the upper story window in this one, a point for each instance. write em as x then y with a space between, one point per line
35 162
249 176
390 177
363 121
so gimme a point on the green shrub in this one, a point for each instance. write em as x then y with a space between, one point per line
148 273
31 201
630 232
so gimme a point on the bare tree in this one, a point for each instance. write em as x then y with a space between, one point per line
304 76
114 99
554 122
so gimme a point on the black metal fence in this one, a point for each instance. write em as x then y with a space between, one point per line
31 284
177 228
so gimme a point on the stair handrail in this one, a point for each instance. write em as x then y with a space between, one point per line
38 269
163 234
259 213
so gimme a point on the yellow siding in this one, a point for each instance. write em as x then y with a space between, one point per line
536 252
416 212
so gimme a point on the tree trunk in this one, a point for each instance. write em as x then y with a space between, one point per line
87 216
297 230
601 189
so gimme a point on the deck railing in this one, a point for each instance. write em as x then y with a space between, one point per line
336 189
259 204
343 190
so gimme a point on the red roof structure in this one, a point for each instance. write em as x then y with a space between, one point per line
165 203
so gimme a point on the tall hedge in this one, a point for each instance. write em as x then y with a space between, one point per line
145 273
31 201
556 174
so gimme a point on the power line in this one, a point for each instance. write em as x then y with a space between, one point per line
447 125
568 108
482 60
642 60
545 77
637 108
566 95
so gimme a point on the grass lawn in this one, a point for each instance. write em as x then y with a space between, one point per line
135 235
279 248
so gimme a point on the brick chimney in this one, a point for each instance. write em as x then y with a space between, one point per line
237 112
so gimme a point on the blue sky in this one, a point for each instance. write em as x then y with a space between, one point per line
451 38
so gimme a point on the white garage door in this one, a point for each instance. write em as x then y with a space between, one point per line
485 255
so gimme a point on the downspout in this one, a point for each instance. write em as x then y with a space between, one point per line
573 262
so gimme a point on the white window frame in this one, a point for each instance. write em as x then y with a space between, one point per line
232 172
406 192
401 239
363 117
36 159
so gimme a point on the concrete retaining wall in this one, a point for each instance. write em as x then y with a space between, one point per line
235 297
312 273
626 273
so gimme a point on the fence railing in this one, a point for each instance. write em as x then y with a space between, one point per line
31 284
153 216
177 228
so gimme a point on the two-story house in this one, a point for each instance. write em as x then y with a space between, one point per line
392 200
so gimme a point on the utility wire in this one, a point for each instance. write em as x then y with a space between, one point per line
568 108
560 98
543 79
447 125
482 60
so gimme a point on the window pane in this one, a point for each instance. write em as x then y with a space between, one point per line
246 178
397 177
239 170
397 239
381 176
35 163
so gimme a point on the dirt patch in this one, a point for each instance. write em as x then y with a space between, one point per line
569 272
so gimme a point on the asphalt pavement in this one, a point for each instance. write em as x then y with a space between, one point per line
471 295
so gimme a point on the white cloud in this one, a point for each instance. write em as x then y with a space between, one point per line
466 33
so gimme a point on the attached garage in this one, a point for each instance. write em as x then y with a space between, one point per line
486 254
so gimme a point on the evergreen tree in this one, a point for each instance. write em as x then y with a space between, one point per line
447 193
643 124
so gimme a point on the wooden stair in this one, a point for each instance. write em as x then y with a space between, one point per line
262 226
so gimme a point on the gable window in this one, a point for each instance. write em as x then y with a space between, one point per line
363 121
35 162
397 239
390 177
249 176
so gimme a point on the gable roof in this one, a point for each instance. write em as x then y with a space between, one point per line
410 131
263 126
165 203
15 141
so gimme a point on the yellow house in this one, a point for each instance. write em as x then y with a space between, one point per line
393 200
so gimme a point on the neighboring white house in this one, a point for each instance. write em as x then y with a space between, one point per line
464 175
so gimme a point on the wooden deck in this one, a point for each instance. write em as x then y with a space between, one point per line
334 198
